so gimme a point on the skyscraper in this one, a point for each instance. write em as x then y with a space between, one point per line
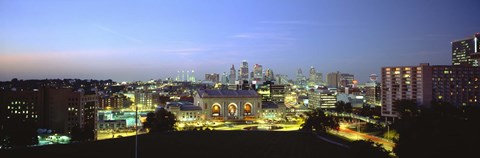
301 79
224 78
269 75
346 80
333 79
257 72
233 75
467 51
313 77
243 71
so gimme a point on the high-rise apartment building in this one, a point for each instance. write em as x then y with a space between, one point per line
466 52
405 82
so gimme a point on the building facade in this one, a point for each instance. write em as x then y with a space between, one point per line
405 82
466 52
458 85
333 80
229 104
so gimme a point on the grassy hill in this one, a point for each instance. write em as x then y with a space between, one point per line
225 144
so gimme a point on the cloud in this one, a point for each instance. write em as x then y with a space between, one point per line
273 36
109 30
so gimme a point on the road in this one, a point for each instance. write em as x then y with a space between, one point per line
354 135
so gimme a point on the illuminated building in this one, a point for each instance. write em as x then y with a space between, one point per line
333 80
214 77
229 104
21 106
372 91
146 99
192 77
355 100
319 78
114 101
466 52
405 82
257 73
321 99
58 109
346 80
278 92
269 76
224 79
458 85
281 79
272 110
185 111
111 124
243 74
301 79
313 77
232 77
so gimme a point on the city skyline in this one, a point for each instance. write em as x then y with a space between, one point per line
131 41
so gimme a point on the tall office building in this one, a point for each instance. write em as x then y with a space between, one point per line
224 78
405 82
257 73
192 77
333 79
243 75
373 91
346 80
466 52
233 75
319 78
301 79
269 75
313 77
458 85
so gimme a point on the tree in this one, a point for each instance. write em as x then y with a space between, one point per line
319 122
407 108
367 148
160 121
342 107
440 131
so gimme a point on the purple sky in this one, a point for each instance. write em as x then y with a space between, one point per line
141 40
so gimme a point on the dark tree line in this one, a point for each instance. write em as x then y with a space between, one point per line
160 121
319 122
367 148
443 130
342 107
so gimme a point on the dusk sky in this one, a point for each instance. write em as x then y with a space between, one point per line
141 40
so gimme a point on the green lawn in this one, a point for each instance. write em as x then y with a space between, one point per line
221 144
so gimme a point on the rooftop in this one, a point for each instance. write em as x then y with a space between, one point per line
228 94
